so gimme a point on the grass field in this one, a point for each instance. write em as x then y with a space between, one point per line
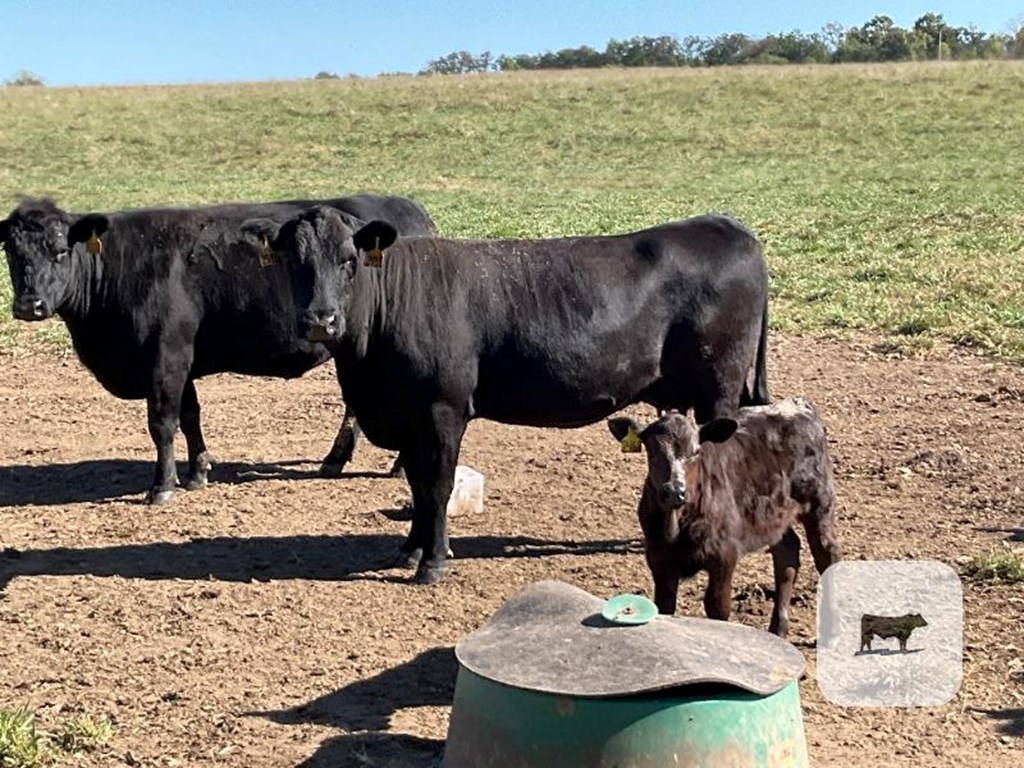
888 196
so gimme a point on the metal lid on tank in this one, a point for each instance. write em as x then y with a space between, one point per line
553 638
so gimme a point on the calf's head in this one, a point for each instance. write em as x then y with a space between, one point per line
38 239
320 249
673 444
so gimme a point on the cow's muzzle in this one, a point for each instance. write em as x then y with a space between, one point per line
673 495
31 308
323 326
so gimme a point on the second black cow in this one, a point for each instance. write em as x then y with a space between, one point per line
547 333
156 298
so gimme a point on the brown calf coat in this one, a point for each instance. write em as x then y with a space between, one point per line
731 487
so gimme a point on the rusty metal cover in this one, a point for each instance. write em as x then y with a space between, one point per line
552 638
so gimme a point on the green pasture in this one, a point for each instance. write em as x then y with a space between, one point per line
890 198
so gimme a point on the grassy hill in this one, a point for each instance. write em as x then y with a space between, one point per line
888 196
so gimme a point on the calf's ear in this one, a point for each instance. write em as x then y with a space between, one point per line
376 234
84 227
717 431
620 427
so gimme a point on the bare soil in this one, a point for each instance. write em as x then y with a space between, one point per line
247 624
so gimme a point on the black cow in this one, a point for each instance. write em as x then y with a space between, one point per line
156 298
548 333
885 627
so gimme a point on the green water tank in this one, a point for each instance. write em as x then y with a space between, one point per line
550 682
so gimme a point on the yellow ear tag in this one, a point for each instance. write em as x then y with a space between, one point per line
631 443
375 256
266 253
94 245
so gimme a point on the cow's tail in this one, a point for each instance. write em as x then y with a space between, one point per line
760 393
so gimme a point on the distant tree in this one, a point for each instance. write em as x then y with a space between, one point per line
1015 42
832 35
727 49
788 48
323 74
660 51
460 63
24 77
878 40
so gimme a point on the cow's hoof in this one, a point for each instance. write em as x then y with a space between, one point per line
396 470
158 498
429 574
407 559
331 469
196 482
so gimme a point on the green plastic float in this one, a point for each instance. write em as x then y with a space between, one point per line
557 678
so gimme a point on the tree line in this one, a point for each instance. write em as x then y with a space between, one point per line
880 39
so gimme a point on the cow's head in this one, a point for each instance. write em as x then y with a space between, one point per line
917 620
673 444
39 238
320 249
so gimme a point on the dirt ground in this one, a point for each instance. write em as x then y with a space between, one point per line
247 624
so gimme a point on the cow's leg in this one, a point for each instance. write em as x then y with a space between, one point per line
199 459
666 581
163 406
718 595
720 390
343 448
430 467
396 469
786 560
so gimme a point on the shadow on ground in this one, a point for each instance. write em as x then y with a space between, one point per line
364 709
1011 721
110 479
265 558
1012 534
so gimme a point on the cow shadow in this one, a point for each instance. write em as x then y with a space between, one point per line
100 480
1011 720
363 709
105 480
369 750
888 652
266 558
1013 534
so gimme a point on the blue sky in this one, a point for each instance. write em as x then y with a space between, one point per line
77 42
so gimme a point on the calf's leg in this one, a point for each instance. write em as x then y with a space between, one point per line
786 562
718 595
817 522
665 574
199 459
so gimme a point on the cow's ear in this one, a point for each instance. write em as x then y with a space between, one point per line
4 229
84 227
261 229
717 431
376 234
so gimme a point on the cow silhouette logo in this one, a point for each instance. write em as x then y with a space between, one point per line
885 627
868 608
